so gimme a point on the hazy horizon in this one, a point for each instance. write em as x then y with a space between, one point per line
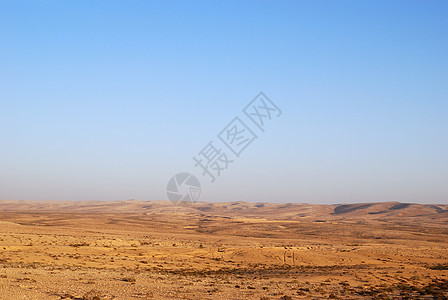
108 100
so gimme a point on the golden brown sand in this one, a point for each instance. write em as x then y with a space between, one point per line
154 250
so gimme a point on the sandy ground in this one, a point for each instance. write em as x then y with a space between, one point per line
138 251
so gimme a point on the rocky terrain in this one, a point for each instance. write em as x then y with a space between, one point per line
235 250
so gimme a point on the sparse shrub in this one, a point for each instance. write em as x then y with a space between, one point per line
129 279
68 295
79 244
92 295
438 267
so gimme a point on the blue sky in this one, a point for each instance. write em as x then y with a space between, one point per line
107 100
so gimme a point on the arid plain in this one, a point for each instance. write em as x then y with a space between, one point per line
236 250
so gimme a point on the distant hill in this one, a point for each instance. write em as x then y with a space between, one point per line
383 211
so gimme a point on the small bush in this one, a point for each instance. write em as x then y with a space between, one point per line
79 244
92 295
129 279
438 267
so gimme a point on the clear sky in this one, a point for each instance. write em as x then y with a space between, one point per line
107 100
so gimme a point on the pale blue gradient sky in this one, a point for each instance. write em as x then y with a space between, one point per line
106 100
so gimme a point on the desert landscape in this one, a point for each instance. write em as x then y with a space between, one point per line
305 141
235 250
